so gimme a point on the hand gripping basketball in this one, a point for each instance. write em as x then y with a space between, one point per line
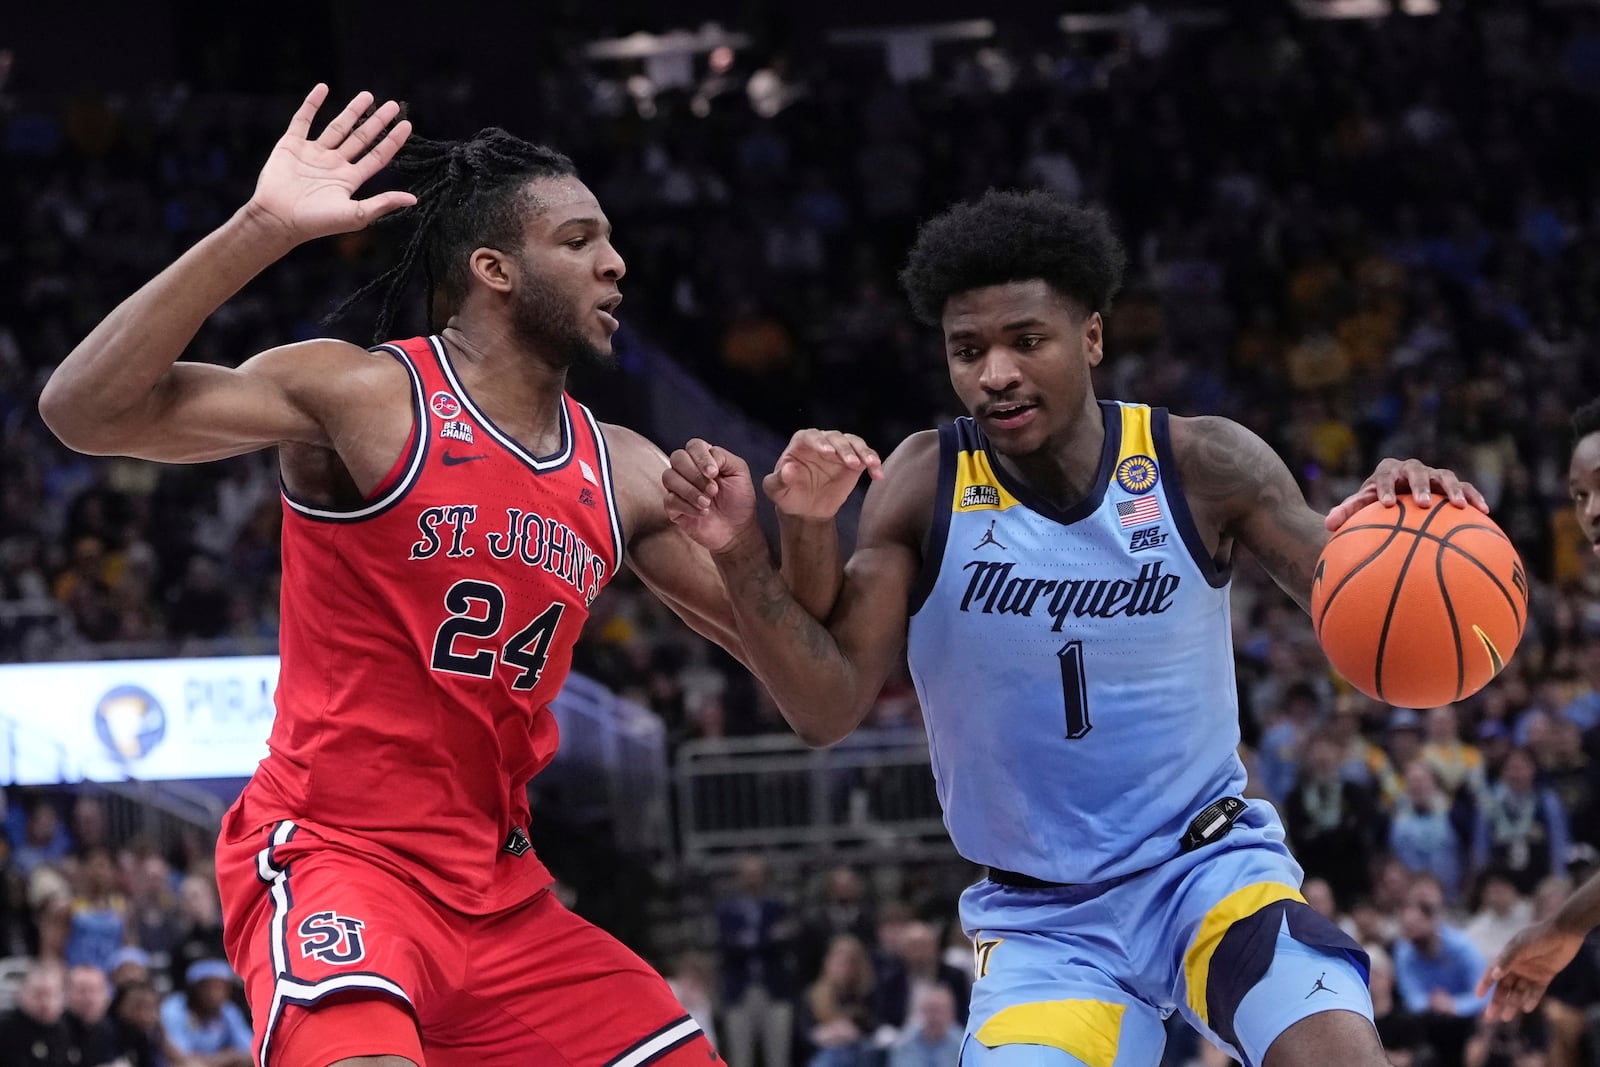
1419 605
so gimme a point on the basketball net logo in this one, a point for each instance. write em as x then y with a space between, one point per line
332 938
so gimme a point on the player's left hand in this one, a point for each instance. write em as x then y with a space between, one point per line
710 494
817 473
1413 476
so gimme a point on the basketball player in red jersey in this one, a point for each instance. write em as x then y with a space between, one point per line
449 516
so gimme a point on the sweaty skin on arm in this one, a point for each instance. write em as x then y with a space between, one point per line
1240 490
824 677
680 572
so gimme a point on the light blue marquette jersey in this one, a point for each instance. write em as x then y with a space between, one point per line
1075 668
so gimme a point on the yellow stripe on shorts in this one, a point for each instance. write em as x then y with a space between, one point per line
1087 1029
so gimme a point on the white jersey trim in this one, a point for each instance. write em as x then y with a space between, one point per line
606 483
505 440
418 454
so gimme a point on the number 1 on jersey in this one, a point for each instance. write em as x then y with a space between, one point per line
1074 690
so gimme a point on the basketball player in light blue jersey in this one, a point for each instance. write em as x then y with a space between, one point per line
1057 568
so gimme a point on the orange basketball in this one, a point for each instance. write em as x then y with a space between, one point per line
1419 606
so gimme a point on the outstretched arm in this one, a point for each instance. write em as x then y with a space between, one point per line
824 677
120 391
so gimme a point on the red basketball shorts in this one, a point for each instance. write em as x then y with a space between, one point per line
341 957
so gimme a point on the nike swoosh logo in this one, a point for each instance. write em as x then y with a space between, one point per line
451 461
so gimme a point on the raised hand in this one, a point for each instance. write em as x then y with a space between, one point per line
308 185
1407 475
818 471
710 495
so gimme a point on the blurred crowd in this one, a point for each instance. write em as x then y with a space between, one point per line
1359 238
110 951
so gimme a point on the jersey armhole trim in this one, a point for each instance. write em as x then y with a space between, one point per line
608 485
939 528
412 460
1182 517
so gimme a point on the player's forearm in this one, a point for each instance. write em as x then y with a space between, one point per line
810 563
1581 912
815 686
113 373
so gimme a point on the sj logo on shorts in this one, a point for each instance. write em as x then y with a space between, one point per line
332 938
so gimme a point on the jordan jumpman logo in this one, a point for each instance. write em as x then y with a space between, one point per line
1320 988
990 539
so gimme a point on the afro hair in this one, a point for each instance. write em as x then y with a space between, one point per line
1585 421
1009 237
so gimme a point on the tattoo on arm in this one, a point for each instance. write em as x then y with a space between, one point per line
776 605
1247 486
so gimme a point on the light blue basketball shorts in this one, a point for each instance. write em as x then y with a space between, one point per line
1220 934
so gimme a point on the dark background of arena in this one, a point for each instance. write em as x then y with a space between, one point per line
1359 237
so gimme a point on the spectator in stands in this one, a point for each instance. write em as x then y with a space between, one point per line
1520 826
155 923
129 966
44 840
692 979
200 927
933 1036
1333 824
1361 761
201 1020
754 940
1403 739
136 1014
1283 739
1500 914
839 1018
88 1000
15 925
916 964
89 829
34 1033
1404 1036
844 909
99 912
1568 772
1457 765
1436 969
1422 835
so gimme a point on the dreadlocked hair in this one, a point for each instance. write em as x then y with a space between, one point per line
1585 421
470 194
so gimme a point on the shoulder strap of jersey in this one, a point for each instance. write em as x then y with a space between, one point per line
596 443
954 437
405 470
1178 503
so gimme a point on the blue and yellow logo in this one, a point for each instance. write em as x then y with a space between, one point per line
1137 474
129 722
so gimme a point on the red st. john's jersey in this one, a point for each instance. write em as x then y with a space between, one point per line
423 637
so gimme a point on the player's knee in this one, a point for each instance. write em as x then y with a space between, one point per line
1307 1043
975 1053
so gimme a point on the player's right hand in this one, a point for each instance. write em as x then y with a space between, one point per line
1524 968
818 471
308 184
710 495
